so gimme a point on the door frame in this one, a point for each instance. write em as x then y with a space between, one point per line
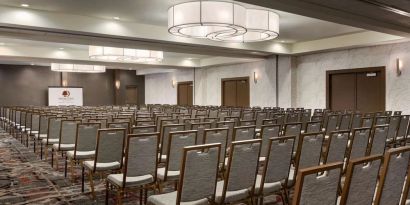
381 69
230 79
182 83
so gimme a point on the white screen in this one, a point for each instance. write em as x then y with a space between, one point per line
65 96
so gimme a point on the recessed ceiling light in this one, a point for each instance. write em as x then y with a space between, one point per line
25 5
116 18
283 41
2 44
61 48
31 63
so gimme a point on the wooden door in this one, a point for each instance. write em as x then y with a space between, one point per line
185 93
235 92
131 92
356 89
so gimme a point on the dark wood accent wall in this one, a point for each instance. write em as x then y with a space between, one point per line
235 92
28 85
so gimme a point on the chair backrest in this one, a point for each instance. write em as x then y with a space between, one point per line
103 121
392 179
200 127
312 188
337 146
292 117
260 116
230 126
54 127
356 121
44 124
367 122
123 125
199 173
86 137
165 133
176 143
378 139
247 122
242 166
394 122
141 155
35 122
359 143
361 180
278 160
381 120
293 129
143 129
189 121
110 146
403 130
68 131
28 119
309 150
217 135
313 126
267 132
244 133
269 122
248 115
332 122
345 122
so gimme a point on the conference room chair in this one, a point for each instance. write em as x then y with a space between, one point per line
164 138
200 127
293 117
395 171
222 114
267 132
248 115
381 120
242 168
316 118
108 156
260 116
394 122
361 181
280 118
236 113
337 146
331 123
275 171
269 122
356 121
66 141
218 135
304 119
102 121
293 129
359 143
230 125
313 126
122 125
53 135
143 129
318 185
378 140
197 181
214 113
140 167
244 133
27 128
84 146
35 128
403 130
173 152
397 112
367 122
345 122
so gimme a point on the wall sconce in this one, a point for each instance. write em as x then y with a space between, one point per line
255 77
399 66
117 84
65 83
174 83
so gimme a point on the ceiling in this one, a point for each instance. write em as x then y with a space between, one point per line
61 30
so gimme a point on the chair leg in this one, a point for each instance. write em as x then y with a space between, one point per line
91 178
106 192
82 178
34 145
41 151
65 166
141 194
72 164
56 159
119 196
52 157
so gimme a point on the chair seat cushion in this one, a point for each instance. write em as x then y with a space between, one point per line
34 132
231 196
262 159
117 179
40 136
171 175
171 198
102 166
267 187
50 141
81 154
64 147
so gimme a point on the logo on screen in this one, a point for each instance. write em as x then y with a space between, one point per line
66 93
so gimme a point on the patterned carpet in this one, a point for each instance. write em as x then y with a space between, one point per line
25 179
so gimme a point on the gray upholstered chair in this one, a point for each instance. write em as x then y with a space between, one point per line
313 126
140 166
247 123
121 125
359 143
53 134
164 138
276 168
345 122
267 132
197 182
243 133
378 140
356 121
174 149
200 127
337 146
394 122
381 120
393 177
318 185
293 129
85 143
221 115
66 142
367 122
189 121
102 121
227 124
218 135
331 123
248 115
361 180
239 183
143 129
108 154
403 130
260 116
35 128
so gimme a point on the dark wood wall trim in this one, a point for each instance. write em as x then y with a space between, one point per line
381 69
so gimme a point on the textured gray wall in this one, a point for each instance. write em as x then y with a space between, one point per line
28 85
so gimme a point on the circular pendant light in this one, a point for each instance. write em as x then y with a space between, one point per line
124 54
77 68
261 25
201 19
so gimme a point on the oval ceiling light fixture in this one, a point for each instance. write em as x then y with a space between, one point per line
124 54
201 19
261 25
59 67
